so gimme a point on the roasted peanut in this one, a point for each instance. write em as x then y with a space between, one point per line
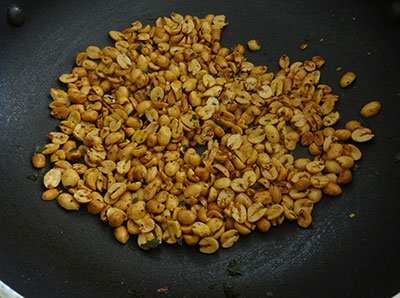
208 245
39 161
362 135
67 201
50 194
229 238
253 45
347 79
371 109
121 234
332 189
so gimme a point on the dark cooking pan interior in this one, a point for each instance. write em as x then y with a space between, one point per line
48 252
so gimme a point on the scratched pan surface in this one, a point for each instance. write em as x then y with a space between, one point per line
48 252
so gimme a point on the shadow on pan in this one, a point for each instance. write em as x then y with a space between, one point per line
47 252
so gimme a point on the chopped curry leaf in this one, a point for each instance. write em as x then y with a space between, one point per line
185 148
36 175
73 149
218 123
257 186
84 149
139 48
39 149
151 243
109 98
234 269
180 241
135 200
181 203
229 291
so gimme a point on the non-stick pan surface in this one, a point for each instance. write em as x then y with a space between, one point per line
48 252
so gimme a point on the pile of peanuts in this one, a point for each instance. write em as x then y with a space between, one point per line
171 137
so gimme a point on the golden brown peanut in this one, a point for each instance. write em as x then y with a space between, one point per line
304 219
319 61
284 61
273 212
362 135
314 195
332 166
50 148
342 134
191 239
272 133
315 167
346 162
307 138
143 106
353 151
263 225
344 177
222 183
253 45
303 204
95 206
347 79
137 210
301 163
39 161
52 178
67 201
370 109
229 238
276 194
193 190
332 189
90 115
69 178
334 151
201 229
352 125
50 194
121 234
208 245
331 177
302 184
115 217
186 217
155 206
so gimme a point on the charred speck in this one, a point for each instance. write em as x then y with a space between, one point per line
15 15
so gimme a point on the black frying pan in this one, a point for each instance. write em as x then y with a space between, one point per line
48 252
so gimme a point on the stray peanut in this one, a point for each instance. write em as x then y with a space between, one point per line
253 45
370 109
347 79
